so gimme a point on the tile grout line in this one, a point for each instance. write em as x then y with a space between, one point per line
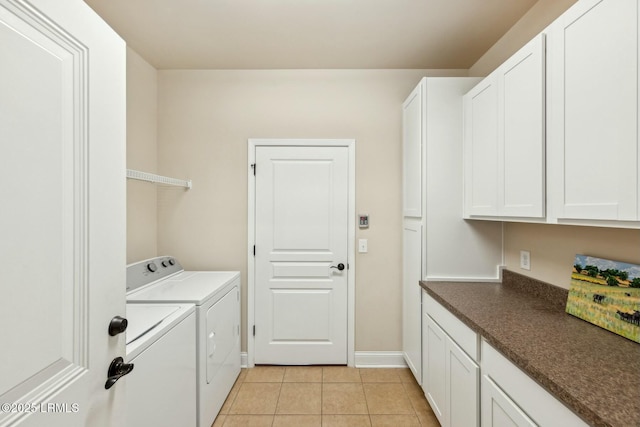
366 401
405 386
275 410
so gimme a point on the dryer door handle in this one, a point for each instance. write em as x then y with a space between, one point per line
211 344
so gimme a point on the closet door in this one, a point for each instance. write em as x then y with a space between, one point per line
593 122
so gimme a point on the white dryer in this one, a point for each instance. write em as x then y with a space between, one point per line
216 295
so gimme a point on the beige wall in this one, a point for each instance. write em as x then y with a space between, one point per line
552 247
205 119
141 155
533 22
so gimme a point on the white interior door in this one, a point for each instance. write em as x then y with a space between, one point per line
62 130
301 232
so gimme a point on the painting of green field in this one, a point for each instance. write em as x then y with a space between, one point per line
607 297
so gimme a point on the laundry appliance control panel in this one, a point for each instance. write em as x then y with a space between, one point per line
150 270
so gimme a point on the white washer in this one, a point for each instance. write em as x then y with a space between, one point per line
161 389
216 295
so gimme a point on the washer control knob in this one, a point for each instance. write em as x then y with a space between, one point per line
171 261
165 263
152 267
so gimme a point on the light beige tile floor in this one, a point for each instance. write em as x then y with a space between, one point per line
325 396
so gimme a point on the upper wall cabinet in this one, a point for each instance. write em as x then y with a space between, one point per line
481 149
413 129
505 138
521 136
593 112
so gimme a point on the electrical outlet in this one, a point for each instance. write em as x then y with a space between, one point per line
525 260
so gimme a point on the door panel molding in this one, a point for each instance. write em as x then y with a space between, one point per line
64 230
53 51
286 268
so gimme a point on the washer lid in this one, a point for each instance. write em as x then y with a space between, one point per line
145 318
189 286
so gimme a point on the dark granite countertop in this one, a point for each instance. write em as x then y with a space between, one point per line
594 372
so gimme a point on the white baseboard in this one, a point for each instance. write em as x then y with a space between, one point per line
380 359
364 359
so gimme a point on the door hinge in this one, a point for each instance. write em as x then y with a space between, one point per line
253 166
347 266
254 330
254 250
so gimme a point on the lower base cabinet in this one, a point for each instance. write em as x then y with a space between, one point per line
511 398
498 410
464 389
434 379
450 377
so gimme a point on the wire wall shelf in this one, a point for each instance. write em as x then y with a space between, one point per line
158 179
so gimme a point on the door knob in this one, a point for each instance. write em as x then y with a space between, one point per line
117 370
339 266
117 325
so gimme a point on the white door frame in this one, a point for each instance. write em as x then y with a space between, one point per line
351 235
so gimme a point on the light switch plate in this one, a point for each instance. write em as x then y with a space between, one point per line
363 246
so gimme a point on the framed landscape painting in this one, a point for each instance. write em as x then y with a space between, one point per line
607 294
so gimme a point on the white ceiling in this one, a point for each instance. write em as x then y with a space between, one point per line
290 34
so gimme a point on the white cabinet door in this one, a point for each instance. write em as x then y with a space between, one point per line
481 149
412 137
500 411
505 138
450 378
462 383
434 352
593 117
412 297
523 394
521 132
